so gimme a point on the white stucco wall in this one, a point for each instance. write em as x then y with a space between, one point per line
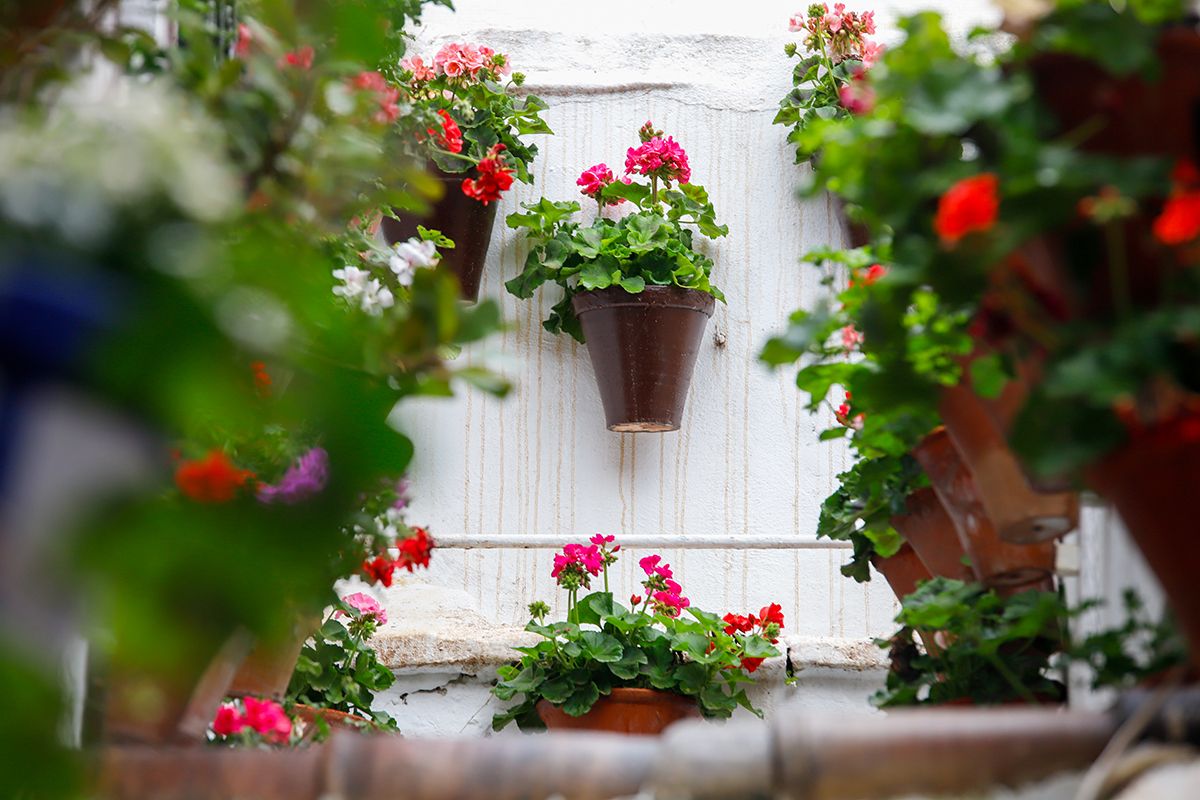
747 461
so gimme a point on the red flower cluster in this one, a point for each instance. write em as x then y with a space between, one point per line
873 273
387 96
415 551
842 415
301 58
969 206
449 138
1179 222
493 179
768 623
262 379
212 479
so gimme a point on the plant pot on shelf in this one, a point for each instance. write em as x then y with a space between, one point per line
1018 512
998 564
336 720
268 669
930 533
465 220
1151 481
643 349
645 712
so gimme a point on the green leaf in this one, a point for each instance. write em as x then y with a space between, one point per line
633 285
630 663
595 275
692 677
600 647
557 690
582 700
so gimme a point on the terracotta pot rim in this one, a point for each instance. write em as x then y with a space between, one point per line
659 296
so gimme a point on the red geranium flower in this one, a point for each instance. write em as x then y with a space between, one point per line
969 206
212 479
751 664
450 136
736 623
302 58
380 569
415 550
494 178
771 614
1179 222
262 379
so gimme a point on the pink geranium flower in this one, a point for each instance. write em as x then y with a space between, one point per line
366 605
268 719
421 71
229 721
301 58
661 158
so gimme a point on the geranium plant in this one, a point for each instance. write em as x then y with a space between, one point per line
989 649
468 118
338 669
829 78
652 244
659 641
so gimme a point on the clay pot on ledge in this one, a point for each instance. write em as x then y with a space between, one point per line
468 222
268 669
643 349
999 564
1018 512
930 533
1151 481
641 712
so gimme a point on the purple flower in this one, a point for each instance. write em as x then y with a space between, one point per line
401 501
302 480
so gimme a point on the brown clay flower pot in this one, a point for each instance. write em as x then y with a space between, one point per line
996 562
336 720
268 669
645 712
468 222
1153 481
1129 115
643 349
930 532
903 570
1017 511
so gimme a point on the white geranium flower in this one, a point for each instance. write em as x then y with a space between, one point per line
408 257
376 297
354 282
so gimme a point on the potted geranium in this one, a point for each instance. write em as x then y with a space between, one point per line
632 669
636 289
467 120
828 80
1074 243
990 649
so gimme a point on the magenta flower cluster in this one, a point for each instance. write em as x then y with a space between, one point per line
305 478
576 565
662 592
594 179
659 157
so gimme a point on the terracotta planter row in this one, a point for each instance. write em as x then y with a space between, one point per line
639 712
643 346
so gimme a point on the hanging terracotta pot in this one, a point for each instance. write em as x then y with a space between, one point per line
645 712
1128 115
468 222
643 349
996 562
1017 511
268 669
1153 481
902 570
336 720
930 532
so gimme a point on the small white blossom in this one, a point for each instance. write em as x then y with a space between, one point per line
408 257
354 282
376 297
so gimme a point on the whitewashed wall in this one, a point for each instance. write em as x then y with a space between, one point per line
747 460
